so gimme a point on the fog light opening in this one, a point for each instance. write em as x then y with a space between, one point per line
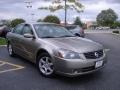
75 71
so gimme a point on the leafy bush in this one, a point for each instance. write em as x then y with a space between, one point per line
52 19
2 41
116 32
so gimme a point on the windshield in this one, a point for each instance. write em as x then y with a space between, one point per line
76 28
51 31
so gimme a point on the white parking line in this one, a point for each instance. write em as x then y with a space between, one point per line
17 67
10 70
2 64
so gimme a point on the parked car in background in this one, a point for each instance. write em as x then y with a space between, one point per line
76 30
55 50
102 28
4 30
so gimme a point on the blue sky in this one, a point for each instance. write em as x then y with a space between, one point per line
10 9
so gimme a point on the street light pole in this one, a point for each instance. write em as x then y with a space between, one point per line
65 12
29 6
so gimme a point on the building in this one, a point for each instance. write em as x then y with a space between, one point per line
91 24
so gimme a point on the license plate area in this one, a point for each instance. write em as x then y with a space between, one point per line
98 64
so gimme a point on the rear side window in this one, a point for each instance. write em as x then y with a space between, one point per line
18 29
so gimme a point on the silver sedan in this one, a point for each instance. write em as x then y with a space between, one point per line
55 50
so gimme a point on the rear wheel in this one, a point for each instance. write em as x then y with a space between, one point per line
77 34
45 65
10 50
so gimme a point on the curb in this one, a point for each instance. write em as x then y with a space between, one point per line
97 32
116 34
3 45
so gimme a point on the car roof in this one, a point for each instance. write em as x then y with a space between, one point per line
70 25
31 23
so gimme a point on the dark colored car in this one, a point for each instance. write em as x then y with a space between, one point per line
4 30
76 30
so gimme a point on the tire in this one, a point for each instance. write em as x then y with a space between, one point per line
45 65
10 50
76 34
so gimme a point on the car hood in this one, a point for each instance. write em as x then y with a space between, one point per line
76 44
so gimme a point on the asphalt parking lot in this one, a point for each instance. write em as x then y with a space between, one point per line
19 74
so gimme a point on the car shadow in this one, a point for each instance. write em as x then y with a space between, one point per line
64 79
80 79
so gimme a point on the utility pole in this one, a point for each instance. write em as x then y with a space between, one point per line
32 16
29 6
65 12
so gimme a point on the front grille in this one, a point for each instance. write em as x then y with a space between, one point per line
94 55
86 69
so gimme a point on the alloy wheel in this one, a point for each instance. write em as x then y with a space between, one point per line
46 66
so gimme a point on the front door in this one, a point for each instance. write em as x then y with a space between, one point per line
28 44
15 39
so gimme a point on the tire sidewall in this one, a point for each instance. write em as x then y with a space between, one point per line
37 63
12 53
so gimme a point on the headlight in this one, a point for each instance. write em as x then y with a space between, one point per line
67 54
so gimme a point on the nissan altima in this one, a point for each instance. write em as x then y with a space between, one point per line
55 50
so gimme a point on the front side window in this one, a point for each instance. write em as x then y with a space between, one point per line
51 31
27 29
18 29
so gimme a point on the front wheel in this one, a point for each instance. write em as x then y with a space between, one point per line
45 65
10 50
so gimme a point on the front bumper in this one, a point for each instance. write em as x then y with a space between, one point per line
77 67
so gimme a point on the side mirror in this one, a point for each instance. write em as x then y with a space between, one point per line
27 35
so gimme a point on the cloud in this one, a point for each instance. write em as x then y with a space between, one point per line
10 9
114 1
92 9
97 1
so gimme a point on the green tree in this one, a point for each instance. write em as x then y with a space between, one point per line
52 19
115 25
106 17
58 4
78 22
16 22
